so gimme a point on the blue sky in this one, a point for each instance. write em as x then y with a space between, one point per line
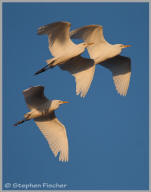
107 133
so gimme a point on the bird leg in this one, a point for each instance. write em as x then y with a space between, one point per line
59 60
52 63
20 122
26 118
42 70
45 68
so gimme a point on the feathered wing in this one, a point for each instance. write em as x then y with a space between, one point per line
55 133
34 97
91 33
120 67
83 70
58 37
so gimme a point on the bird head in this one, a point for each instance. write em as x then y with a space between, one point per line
56 103
121 46
118 47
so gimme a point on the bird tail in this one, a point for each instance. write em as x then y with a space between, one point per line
20 122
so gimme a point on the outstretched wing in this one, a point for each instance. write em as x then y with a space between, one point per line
83 70
91 33
55 133
120 67
34 96
58 37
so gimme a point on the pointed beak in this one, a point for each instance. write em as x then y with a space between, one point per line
65 102
125 46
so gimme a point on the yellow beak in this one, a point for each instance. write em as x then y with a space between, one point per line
125 46
65 102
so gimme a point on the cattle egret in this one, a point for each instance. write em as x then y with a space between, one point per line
102 51
60 44
42 111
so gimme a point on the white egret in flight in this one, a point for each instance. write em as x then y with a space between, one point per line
60 45
42 111
102 51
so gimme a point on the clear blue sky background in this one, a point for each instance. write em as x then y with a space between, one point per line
108 133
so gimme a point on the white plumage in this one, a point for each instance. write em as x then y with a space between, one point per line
55 133
102 51
60 44
42 111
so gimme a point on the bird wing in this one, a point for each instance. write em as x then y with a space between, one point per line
34 96
91 33
120 67
55 133
58 37
83 70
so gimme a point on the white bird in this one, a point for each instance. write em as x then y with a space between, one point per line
60 45
102 51
42 111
